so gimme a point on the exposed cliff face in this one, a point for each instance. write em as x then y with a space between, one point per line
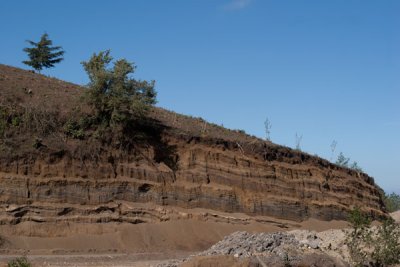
205 176
219 171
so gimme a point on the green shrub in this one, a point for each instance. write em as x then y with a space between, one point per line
373 246
386 244
16 121
358 239
19 262
74 129
116 97
358 219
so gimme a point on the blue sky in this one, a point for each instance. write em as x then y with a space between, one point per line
327 70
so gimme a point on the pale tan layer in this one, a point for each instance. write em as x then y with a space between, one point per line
396 216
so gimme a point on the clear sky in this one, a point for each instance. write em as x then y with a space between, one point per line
327 70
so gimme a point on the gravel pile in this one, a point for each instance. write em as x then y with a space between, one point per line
271 249
244 244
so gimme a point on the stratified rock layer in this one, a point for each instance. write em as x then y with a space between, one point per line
205 176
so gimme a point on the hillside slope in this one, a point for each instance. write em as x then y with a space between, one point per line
185 162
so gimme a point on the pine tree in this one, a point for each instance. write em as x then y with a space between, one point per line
43 54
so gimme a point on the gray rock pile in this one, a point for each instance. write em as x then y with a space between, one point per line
244 244
294 248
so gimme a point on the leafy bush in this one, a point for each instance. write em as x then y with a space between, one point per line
358 220
116 97
19 262
373 246
74 129
357 238
16 121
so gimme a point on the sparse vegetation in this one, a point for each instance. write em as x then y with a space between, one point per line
43 54
286 260
354 166
267 127
358 219
298 139
333 148
19 262
345 162
15 120
342 160
241 131
373 246
392 202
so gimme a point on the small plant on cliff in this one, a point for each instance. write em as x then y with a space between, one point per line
19 262
354 166
342 160
298 139
117 98
267 128
345 162
43 54
373 246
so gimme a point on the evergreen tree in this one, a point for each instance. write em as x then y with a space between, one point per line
43 54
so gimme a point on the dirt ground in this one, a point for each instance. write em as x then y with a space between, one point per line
144 244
